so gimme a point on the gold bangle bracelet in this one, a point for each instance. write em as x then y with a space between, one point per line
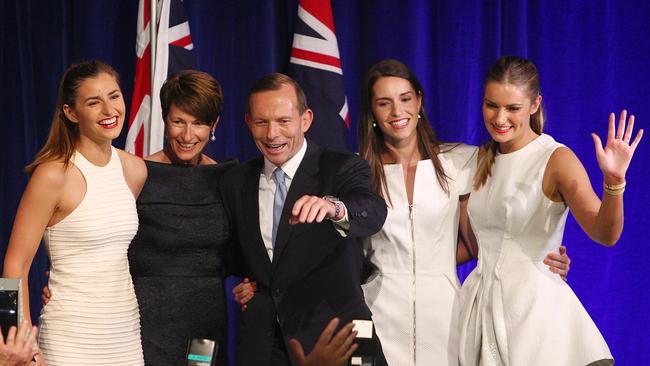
614 187
614 192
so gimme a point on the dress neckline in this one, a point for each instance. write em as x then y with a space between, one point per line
400 164
181 165
530 146
80 155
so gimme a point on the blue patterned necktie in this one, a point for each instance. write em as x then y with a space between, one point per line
278 201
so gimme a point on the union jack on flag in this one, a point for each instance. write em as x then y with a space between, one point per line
316 65
174 52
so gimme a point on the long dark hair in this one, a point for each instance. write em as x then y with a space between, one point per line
371 139
522 73
64 133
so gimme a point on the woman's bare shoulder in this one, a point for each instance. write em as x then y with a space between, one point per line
134 168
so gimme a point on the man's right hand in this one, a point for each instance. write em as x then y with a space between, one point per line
18 349
244 292
46 295
328 351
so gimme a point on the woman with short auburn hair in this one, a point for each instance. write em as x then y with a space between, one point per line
177 257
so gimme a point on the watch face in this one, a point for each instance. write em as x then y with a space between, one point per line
336 202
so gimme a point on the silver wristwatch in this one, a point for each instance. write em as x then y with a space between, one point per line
337 205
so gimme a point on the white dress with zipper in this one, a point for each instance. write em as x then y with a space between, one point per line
414 296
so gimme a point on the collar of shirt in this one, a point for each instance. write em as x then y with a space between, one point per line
289 167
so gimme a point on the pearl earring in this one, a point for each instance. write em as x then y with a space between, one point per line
212 138
374 125
419 117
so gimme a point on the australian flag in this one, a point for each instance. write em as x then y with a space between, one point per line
316 65
173 52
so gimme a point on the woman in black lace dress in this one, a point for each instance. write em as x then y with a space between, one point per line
176 257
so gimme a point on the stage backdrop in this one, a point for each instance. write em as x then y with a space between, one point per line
592 55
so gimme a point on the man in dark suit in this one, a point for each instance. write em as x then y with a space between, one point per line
296 229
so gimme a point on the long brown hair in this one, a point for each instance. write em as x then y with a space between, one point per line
521 73
371 139
61 141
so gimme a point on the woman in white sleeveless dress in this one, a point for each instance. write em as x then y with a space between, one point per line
414 294
514 311
81 200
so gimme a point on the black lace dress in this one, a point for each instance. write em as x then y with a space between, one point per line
176 260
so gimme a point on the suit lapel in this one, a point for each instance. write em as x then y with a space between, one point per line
304 182
252 216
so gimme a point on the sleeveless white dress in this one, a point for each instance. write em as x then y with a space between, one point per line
92 317
514 311
414 297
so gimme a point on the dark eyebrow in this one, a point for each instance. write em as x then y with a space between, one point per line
509 105
96 97
401 95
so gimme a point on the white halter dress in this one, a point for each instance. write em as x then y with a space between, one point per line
92 317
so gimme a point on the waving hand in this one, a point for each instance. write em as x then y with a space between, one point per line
615 158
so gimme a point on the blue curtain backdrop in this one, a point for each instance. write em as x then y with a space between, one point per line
592 55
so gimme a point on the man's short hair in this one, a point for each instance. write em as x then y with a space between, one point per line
275 81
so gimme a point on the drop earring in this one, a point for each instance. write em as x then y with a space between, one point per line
374 124
419 117
212 138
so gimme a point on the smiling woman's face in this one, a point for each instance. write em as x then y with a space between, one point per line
506 112
395 107
186 135
98 108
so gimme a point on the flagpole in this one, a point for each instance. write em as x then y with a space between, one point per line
153 11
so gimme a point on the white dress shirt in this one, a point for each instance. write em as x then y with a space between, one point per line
267 189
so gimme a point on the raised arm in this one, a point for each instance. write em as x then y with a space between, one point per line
567 179
38 205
